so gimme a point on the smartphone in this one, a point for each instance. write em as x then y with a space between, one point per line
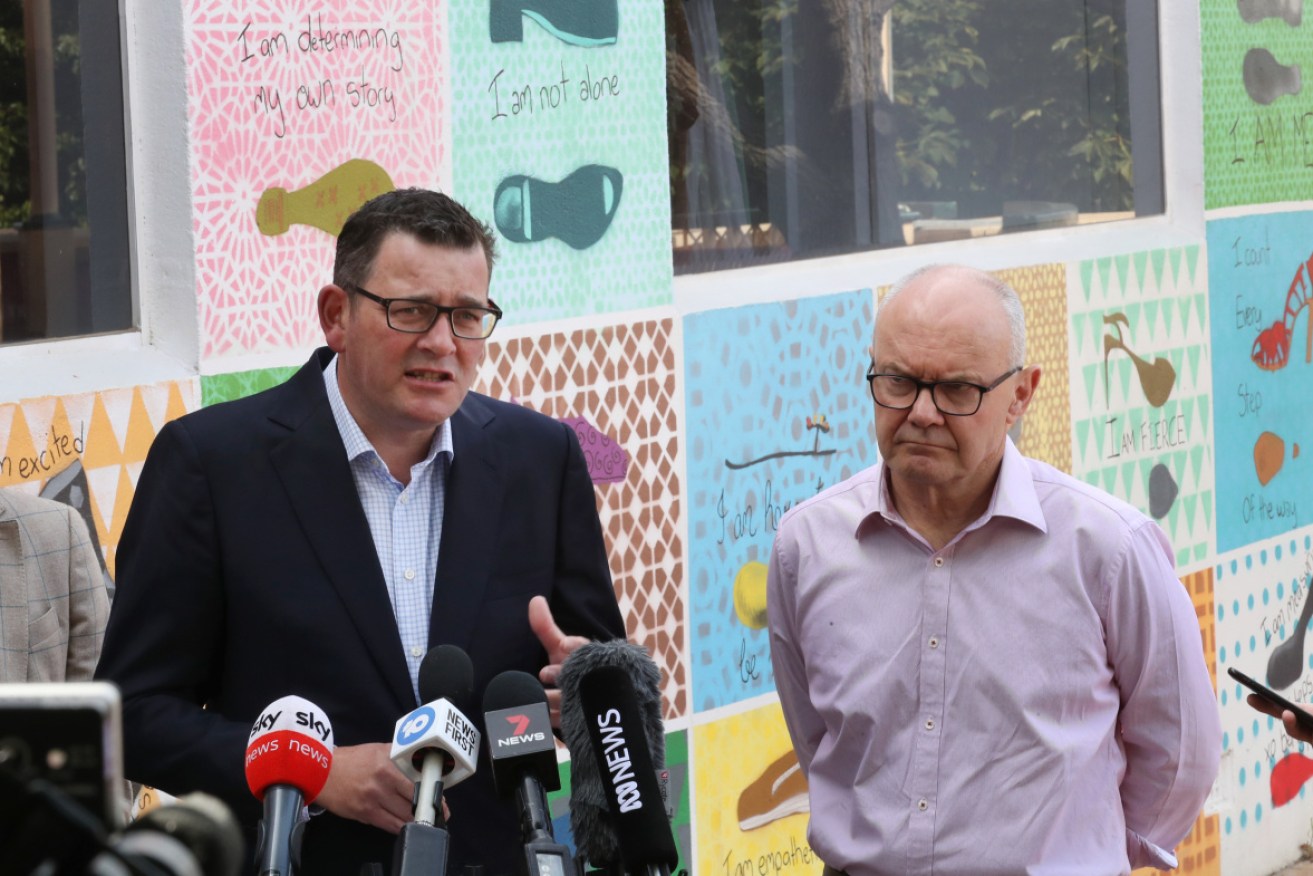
1304 719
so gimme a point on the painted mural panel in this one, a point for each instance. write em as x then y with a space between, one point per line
616 386
1263 613
1141 389
752 801
777 410
1262 334
560 143
87 450
298 115
1257 114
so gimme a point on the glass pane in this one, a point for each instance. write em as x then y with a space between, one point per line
804 129
64 267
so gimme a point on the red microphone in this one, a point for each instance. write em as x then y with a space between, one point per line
287 763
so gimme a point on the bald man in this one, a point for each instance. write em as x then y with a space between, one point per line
986 665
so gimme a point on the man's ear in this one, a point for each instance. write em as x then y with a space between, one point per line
1023 392
334 311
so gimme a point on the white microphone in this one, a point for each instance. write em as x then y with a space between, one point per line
287 763
436 745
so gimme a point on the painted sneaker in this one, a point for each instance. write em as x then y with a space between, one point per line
780 790
576 210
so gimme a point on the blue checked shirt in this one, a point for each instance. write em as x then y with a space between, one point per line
405 520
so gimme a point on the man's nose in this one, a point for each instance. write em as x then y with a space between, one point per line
440 337
923 407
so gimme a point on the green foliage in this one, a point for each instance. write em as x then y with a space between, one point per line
1027 104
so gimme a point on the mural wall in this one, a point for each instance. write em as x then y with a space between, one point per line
1177 379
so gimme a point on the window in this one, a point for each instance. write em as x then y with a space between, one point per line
806 128
64 259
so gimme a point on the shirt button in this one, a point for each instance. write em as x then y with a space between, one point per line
934 641
930 723
922 804
417 651
405 498
939 561
410 574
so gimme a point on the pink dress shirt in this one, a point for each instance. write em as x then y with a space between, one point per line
1032 698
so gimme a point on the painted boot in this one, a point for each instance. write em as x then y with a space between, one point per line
578 22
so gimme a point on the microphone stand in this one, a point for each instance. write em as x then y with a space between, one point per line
421 848
543 855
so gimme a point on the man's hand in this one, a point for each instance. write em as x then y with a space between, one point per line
364 785
1267 707
558 646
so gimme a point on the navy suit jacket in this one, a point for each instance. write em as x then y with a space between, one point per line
246 572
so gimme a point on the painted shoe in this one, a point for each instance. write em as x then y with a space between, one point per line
780 790
577 210
577 22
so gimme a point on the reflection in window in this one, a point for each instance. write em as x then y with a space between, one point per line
805 128
64 267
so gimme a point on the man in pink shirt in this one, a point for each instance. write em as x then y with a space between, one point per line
986 666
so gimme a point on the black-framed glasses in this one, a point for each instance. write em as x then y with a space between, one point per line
953 398
416 316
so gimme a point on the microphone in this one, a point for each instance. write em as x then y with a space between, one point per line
523 754
287 762
435 746
611 721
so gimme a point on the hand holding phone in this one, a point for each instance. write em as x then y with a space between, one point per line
1303 718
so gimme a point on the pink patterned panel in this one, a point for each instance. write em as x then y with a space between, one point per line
377 70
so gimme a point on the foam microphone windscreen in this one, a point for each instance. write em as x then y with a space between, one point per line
291 744
446 673
594 679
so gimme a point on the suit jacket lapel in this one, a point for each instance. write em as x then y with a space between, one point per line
314 470
469 526
13 599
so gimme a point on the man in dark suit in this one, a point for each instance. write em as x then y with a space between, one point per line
318 538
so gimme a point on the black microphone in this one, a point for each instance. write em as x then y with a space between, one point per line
523 754
434 745
611 721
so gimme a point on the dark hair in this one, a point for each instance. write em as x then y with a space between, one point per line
430 216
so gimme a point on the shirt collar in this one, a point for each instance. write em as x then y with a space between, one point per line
353 437
1014 495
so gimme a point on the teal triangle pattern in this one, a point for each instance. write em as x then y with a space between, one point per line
1158 256
1082 436
1133 316
1197 461
1128 478
1178 465
1173 515
1146 466
1194 352
1183 305
1187 409
1203 412
1201 307
1104 266
1199 550
1189 502
1206 499
1086 278
1123 264
1089 375
1168 316
1098 441
1140 261
1192 259
1151 315
1078 329
1110 479
1124 373
1136 420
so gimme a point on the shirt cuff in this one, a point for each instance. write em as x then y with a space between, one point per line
1144 853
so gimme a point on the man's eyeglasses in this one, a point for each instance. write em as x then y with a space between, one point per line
953 398
415 316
